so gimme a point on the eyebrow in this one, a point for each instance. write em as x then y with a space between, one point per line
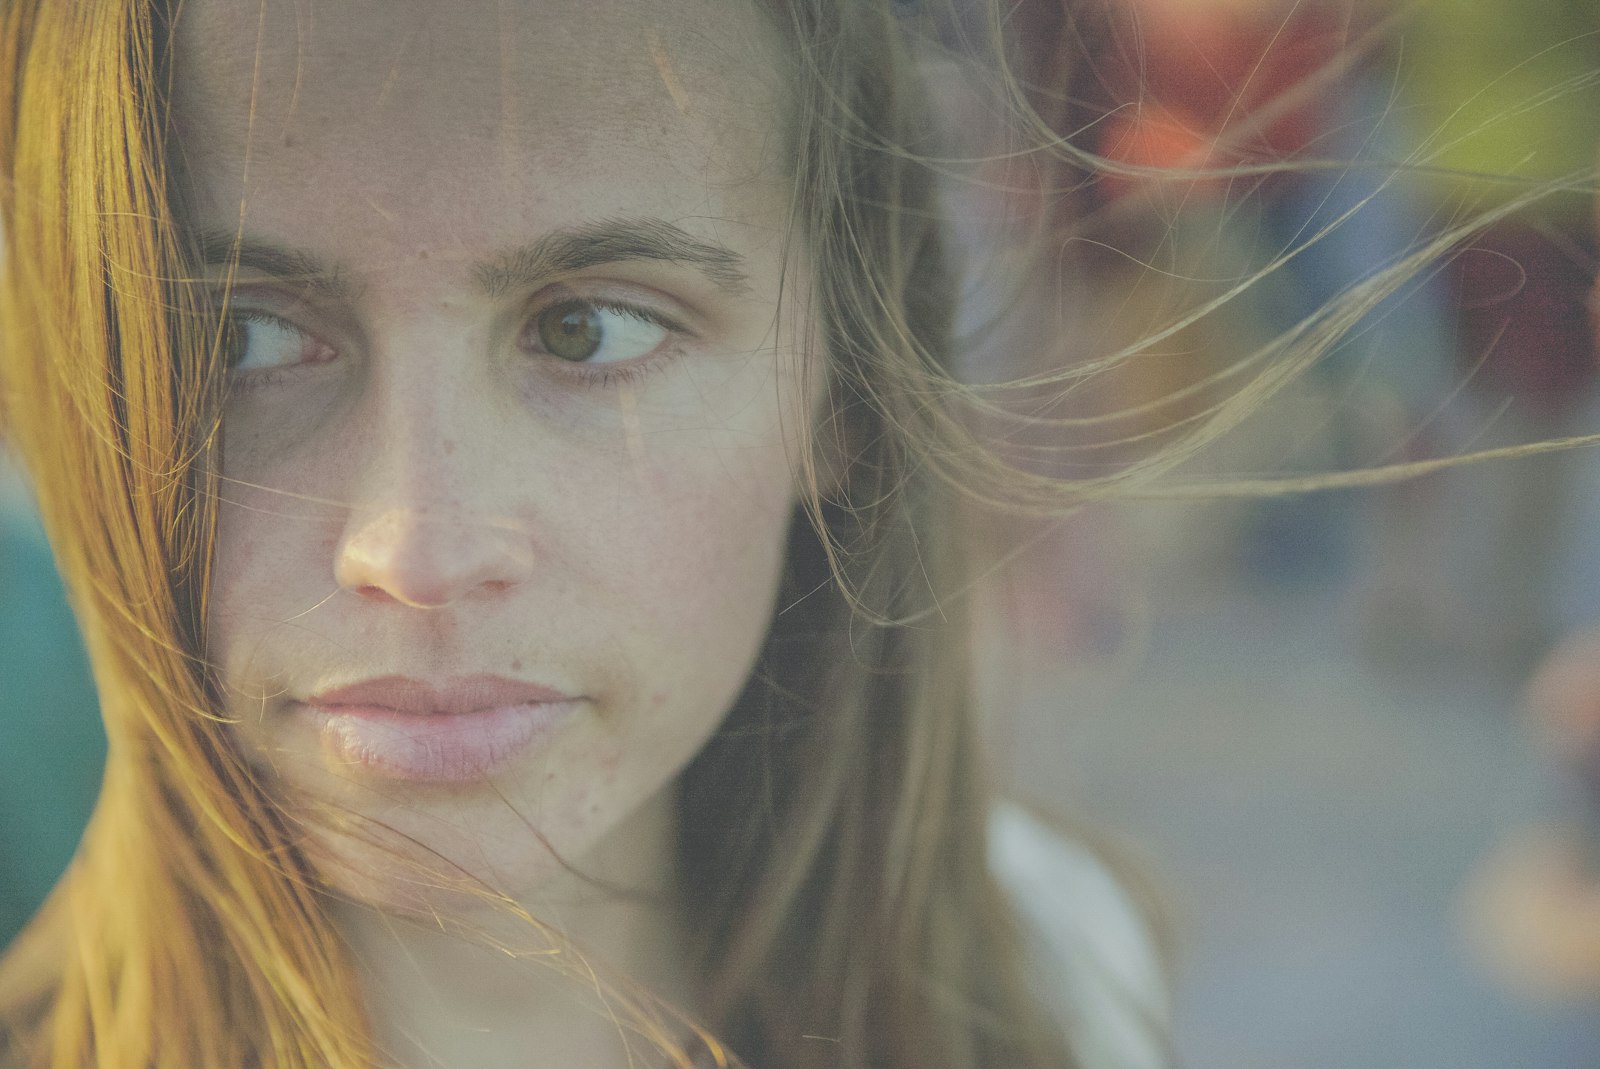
223 249
562 251
611 241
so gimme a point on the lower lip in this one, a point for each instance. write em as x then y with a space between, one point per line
435 748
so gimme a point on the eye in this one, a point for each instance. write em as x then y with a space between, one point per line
591 332
258 341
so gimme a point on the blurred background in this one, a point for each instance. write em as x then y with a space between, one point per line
1304 718
1309 717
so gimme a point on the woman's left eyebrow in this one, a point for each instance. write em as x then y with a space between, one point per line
610 241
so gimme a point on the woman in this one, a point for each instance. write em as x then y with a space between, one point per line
501 457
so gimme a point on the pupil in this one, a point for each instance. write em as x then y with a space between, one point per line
571 331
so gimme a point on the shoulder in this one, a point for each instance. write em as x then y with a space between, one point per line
1093 953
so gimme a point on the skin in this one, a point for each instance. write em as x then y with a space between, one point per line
413 487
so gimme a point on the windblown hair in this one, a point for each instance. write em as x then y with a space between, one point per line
189 931
850 895
832 854
833 849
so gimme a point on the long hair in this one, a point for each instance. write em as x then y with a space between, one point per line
845 891
833 848
189 931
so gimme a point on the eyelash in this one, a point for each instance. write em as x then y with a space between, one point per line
607 375
254 380
602 375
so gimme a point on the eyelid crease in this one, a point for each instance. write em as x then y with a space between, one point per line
637 311
268 297
618 294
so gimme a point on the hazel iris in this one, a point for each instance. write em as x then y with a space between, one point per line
573 330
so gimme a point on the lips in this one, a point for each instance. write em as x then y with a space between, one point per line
456 731
466 694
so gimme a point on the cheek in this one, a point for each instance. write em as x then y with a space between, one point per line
697 520
273 565
705 550
239 578
687 574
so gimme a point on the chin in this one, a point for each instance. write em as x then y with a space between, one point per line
388 870
467 861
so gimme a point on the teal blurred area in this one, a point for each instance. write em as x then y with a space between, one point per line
52 745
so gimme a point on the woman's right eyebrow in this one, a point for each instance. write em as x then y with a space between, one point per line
227 250
558 252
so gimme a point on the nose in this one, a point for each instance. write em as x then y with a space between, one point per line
429 557
433 519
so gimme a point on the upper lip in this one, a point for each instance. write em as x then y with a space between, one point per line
462 694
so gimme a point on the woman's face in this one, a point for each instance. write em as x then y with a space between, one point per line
512 424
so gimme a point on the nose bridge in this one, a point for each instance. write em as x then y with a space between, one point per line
427 523
416 428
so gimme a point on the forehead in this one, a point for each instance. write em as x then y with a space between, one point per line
474 113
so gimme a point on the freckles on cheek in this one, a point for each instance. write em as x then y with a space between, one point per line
690 567
268 568
715 549
235 559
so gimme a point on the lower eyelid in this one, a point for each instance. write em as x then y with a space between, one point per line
247 381
616 373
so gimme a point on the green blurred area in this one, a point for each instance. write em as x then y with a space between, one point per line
1502 89
52 745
